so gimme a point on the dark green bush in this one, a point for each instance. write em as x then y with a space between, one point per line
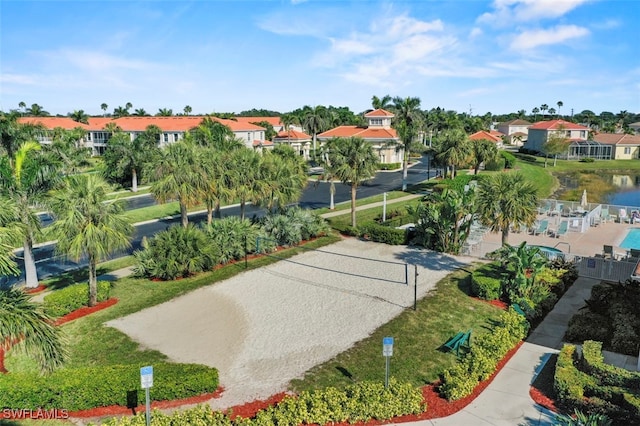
495 165
587 160
509 159
73 297
486 281
389 166
76 389
587 325
383 234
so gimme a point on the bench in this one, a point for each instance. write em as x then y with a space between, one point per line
459 340
518 309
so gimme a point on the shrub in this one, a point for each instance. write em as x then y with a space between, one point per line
486 281
311 225
384 234
389 166
495 165
84 388
73 297
232 236
176 252
587 325
587 160
509 159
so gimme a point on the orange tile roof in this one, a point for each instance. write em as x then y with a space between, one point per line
516 122
362 132
262 143
292 134
617 139
53 122
484 135
379 113
556 124
496 133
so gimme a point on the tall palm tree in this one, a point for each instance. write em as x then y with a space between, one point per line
212 133
140 112
535 112
177 175
128 106
104 107
24 326
381 103
455 150
285 176
22 106
544 108
187 110
560 105
87 224
26 179
9 235
483 151
352 161
13 133
315 121
36 110
506 200
216 165
120 112
164 112
245 178
406 123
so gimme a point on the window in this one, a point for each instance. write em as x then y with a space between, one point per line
627 150
375 122
176 137
166 137
89 136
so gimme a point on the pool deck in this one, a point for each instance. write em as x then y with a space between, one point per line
589 243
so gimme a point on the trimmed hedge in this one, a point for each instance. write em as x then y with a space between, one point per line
609 375
486 281
358 402
91 387
384 234
483 358
73 297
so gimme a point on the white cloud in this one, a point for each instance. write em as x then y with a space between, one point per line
18 79
506 11
475 32
534 38
351 46
607 25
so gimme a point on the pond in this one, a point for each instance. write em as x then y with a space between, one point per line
617 188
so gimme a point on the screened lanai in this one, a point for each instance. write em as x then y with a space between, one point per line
589 149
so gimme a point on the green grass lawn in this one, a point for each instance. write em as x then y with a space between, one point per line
418 337
346 205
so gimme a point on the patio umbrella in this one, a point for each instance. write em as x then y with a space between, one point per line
583 200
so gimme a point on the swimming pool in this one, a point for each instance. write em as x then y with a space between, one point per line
632 240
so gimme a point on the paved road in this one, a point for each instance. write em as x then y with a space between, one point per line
316 195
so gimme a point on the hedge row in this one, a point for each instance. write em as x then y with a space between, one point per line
384 234
485 354
599 389
91 387
358 402
73 297
486 281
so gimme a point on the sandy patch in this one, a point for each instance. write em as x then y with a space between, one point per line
265 327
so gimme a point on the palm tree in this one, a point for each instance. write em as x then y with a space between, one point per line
288 119
25 326
544 108
22 106
535 112
87 224
177 175
455 150
140 112
130 156
407 114
507 200
80 116
164 112
128 106
245 178
216 166
552 111
315 121
36 110
483 151
560 105
26 179
104 107
13 133
285 176
212 133
120 112
187 110
9 235
352 161
381 103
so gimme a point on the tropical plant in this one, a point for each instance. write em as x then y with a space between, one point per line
140 112
126 158
67 151
246 178
187 110
80 116
578 418
234 237
406 124
217 174
164 112
455 150
177 175
25 327
381 103
120 112
104 107
507 200
13 133
212 133
285 176
535 112
87 224
9 235
352 161
26 179
483 151
556 143
522 263
36 110
560 105
315 121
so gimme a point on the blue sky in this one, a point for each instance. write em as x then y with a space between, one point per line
227 56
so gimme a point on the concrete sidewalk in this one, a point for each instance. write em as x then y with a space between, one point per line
335 213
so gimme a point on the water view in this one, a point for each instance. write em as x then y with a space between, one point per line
607 188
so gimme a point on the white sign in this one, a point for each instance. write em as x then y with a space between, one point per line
146 377
387 346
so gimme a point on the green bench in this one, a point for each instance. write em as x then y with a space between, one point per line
461 339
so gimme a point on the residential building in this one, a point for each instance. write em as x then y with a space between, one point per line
299 141
274 121
539 133
515 131
624 147
173 129
378 132
489 136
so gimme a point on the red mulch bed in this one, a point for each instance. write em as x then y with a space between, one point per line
84 311
497 303
541 399
250 409
36 290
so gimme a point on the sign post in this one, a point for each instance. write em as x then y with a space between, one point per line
146 382
387 352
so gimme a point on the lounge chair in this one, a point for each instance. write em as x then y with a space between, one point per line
542 227
562 229
623 217
607 251
604 215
